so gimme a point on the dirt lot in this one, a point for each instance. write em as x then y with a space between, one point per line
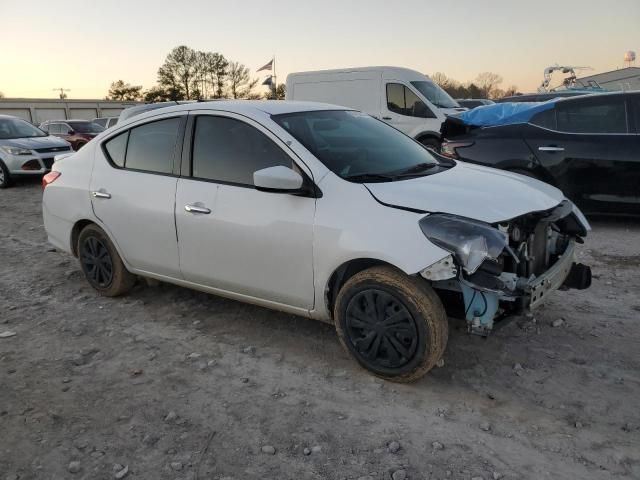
168 383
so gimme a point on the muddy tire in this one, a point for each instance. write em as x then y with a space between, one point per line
101 264
5 177
393 324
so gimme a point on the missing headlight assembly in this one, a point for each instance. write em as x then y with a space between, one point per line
509 267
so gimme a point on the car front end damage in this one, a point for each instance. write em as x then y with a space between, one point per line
509 267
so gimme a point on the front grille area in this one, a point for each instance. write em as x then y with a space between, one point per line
48 162
52 150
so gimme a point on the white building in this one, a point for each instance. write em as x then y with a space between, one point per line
622 79
37 110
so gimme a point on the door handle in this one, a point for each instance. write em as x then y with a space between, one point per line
100 194
387 118
197 209
551 149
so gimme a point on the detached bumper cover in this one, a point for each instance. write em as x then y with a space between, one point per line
552 279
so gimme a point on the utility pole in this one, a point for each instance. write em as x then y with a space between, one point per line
61 91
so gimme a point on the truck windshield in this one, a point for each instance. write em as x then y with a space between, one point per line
356 146
16 128
435 94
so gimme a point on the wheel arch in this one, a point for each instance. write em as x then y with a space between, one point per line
75 234
428 134
343 273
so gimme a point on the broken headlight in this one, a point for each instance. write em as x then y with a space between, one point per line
470 241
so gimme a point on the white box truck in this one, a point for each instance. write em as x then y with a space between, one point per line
403 98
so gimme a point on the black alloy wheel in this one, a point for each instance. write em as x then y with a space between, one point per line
381 330
96 262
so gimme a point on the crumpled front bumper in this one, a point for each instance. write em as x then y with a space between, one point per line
539 288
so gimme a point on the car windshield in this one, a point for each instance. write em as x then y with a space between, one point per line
356 146
86 127
435 94
17 128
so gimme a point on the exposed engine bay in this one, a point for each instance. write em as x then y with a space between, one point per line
509 267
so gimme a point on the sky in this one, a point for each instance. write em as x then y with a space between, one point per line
85 45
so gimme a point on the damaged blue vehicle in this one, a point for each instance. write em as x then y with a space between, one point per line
587 146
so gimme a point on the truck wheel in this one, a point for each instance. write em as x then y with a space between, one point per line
101 264
431 143
5 177
393 324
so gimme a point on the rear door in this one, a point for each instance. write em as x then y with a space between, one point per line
588 147
133 189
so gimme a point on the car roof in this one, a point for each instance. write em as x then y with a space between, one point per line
246 107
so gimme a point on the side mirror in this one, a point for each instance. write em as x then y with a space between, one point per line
70 132
278 180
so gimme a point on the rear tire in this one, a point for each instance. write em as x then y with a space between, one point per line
102 266
5 176
394 325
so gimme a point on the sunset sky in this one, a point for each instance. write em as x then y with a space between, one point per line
84 46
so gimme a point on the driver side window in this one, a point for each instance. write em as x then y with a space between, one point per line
226 150
403 101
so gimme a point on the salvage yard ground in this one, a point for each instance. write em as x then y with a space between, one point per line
169 383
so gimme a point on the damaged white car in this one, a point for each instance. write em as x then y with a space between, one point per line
319 211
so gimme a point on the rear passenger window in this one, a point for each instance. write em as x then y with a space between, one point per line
592 116
546 119
229 150
151 146
116 148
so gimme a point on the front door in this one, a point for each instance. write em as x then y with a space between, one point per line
133 193
232 236
404 110
592 153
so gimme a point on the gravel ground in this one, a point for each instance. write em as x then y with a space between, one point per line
169 383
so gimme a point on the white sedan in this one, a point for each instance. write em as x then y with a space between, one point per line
316 210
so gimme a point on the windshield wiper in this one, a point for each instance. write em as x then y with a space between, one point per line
415 170
370 177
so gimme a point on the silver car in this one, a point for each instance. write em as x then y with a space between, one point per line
26 150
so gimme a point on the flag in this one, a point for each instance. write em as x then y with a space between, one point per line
268 81
268 66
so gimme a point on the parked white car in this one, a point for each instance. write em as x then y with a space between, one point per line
403 98
318 211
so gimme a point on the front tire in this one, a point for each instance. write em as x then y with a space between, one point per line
393 324
102 266
5 176
431 143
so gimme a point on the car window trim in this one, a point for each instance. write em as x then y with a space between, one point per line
186 168
177 150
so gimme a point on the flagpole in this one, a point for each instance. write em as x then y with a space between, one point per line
274 78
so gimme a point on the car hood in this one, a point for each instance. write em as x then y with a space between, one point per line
471 191
35 142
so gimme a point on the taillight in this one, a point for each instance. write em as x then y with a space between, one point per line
49 178
449 149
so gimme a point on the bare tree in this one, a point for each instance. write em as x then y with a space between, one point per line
488 82
122 91
1 95
240 83
441 79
